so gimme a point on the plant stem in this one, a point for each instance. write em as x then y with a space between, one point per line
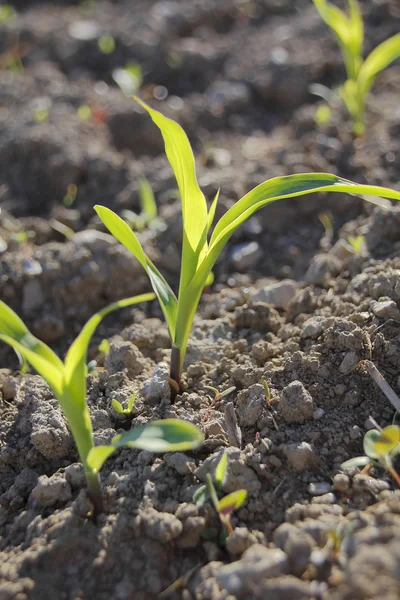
94 492
175 368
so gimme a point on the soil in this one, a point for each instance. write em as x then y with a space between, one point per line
290 304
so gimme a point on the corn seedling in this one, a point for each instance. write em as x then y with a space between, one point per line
104 346
199 253
67 381
148 208
225 506
380 448
126 412
361 74
357 244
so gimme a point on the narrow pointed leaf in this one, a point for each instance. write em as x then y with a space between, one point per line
220 471
194 206
98 455
75 361
117 406
162 436
12 326
52 374
211 212
201 496
380 58
231 502
148 203
123 233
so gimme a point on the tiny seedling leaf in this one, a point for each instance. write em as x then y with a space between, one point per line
231 502
370 440
148 203
98 455
131 401
380 58
117 406
220 471
168 435
201 496
387 441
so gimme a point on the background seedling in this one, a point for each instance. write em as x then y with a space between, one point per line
68 383
225 506
361 74
381 446
148 214
357 244
199 253
117 406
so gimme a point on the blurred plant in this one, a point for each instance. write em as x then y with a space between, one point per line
361 74
70 196
104 346
106 44
148 208
129 79
117 406
357 244
225 506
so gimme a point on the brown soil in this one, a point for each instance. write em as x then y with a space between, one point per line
236 75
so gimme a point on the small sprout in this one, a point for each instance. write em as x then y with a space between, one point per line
201 248
84 112
129 79
357 244
323 115
41 115
148 213
62 228
7 14
106 44
361 74
227 504
70 196
117 406
92 366
268 393
23 236
104 346
219 395
326 218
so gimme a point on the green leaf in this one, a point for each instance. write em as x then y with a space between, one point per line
123 233
357 461
131 401
220 471
231 502
370 439
380 58
167 435
388 441
97 457
201 496
117 406
211 212
194 206
75 361
148 203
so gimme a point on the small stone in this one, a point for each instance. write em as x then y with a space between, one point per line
51 490
313 328
318 413
365 483
9 386
245 256
349 362
321 268
355 432
341 250
182 464
160 526
279 294
296 403
300 456
125 356
157 387
319 488
240 540
250 404
329 498
341 482
256 564
386 309
214 427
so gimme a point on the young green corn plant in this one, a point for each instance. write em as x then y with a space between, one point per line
67 381
199 251
227 504
361 74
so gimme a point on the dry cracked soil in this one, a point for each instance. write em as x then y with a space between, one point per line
291 304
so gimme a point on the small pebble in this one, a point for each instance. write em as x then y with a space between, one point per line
319 488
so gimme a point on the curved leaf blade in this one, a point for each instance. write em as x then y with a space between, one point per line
194 206
75 361
123 233
231 502
220 471
167 435
380 58
97 456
